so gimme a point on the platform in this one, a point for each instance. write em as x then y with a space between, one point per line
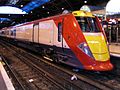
115 49
5 82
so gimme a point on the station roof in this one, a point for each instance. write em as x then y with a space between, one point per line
50 8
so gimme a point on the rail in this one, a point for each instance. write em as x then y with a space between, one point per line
18 83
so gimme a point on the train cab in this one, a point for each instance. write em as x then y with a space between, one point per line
95 44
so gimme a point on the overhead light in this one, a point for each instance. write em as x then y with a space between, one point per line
21 5
85 1
43 6
62 8
48 12
31 12
11 10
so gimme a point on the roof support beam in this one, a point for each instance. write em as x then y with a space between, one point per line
34 4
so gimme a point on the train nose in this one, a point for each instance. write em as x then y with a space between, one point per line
98 46
100 51
100 66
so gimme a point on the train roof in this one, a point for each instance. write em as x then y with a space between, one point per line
82 13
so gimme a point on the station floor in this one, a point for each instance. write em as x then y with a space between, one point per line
5 82
115 49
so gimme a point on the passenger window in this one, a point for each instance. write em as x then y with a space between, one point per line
3 32
59 32
13 32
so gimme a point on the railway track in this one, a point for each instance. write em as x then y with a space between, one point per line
18 84
61 76
27 75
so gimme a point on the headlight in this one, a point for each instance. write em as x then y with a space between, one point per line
84 47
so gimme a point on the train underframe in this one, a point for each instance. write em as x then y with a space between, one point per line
52 53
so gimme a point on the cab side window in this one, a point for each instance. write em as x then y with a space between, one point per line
59 32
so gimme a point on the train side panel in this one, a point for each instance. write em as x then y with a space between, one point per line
49 33
46 29
29 32
24 32
20 33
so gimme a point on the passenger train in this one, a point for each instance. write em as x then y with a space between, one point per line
76 39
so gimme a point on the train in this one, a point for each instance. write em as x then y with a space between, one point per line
76 39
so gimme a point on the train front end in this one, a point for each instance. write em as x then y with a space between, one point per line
94 48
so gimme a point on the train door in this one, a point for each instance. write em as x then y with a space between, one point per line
36 33
60 35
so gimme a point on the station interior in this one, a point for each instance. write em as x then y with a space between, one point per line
18 13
